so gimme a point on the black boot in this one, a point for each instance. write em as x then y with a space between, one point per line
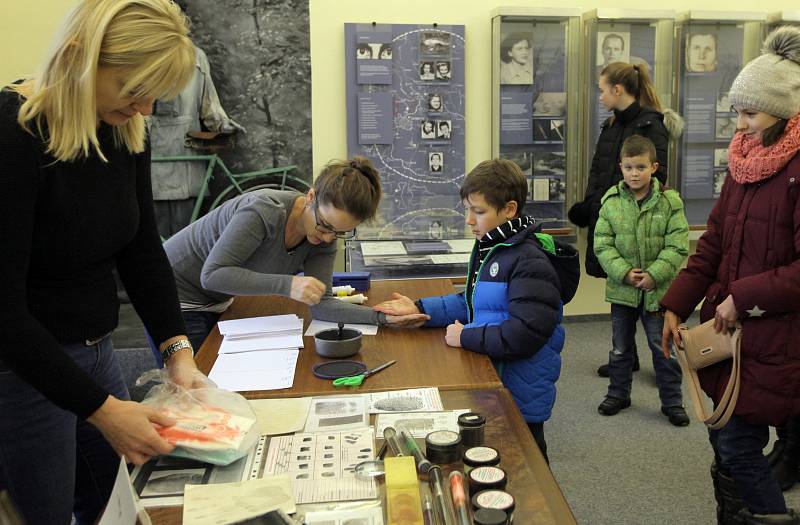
602 370
775 454
785 466
729 504
790 518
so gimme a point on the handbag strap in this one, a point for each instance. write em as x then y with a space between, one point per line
727 403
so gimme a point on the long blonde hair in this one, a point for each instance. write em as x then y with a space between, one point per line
146 39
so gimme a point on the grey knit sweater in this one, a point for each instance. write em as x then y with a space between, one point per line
238 249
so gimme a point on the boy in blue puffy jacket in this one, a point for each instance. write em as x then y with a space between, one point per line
518 281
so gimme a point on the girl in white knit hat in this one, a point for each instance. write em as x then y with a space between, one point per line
746 269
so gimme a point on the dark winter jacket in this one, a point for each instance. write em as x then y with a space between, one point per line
605 171
750 250
514 315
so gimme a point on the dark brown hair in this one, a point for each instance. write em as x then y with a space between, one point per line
635 79
353 186
636 145
500 181
772 134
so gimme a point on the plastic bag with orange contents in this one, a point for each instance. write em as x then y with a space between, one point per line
213 425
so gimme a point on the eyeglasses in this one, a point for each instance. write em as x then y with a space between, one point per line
325 228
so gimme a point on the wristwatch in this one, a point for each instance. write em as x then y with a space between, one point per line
175 347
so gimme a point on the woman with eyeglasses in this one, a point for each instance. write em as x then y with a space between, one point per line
256 243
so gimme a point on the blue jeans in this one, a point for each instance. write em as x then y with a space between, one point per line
738 451
52 462
620 359
198 326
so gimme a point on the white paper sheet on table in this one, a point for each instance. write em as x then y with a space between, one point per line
256 343
461 245
334 414
322 465
267 370
281 416
408 400
269 323
318 326
236 502
451 258
362 516
382 248
420 423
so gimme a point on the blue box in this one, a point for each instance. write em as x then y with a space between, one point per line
358 280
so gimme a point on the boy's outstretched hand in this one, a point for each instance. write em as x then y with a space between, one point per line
453 335
407 321
398 305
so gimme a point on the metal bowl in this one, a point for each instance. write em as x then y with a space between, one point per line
337 343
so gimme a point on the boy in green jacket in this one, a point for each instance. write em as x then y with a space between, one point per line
641 241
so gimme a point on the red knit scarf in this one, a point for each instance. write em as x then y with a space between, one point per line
749 161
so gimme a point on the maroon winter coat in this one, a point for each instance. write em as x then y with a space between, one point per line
750 250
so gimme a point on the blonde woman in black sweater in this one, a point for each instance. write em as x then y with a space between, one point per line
75 176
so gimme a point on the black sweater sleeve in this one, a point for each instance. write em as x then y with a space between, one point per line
26 347
144 268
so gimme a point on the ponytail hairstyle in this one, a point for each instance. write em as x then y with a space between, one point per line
147 40
635 79
353 186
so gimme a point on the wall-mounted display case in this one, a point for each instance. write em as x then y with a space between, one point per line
712 47
536 110
636 36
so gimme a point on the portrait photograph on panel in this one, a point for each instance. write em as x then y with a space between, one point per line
435 161
719 180
443 128
426 71
428 130
723 102
701 52
725 128
443 71
721 157
384 51
435 103
613 47
364 51
516 58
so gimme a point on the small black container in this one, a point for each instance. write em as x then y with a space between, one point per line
472 427
480 457
495 499
486 478
442 447
490 517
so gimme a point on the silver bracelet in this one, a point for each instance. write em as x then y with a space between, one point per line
175 347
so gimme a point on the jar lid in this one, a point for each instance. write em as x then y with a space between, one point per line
493 499
487 475
443 438
490 517
477 456
471 419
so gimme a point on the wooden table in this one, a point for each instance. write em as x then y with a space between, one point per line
538 498
423 358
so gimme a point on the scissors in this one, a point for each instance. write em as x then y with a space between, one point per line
358 379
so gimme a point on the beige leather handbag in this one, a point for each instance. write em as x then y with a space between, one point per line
702 347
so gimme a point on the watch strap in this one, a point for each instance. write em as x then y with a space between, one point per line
175 347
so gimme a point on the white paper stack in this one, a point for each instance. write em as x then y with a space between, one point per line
258 353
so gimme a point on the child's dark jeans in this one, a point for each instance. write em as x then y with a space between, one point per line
620 359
